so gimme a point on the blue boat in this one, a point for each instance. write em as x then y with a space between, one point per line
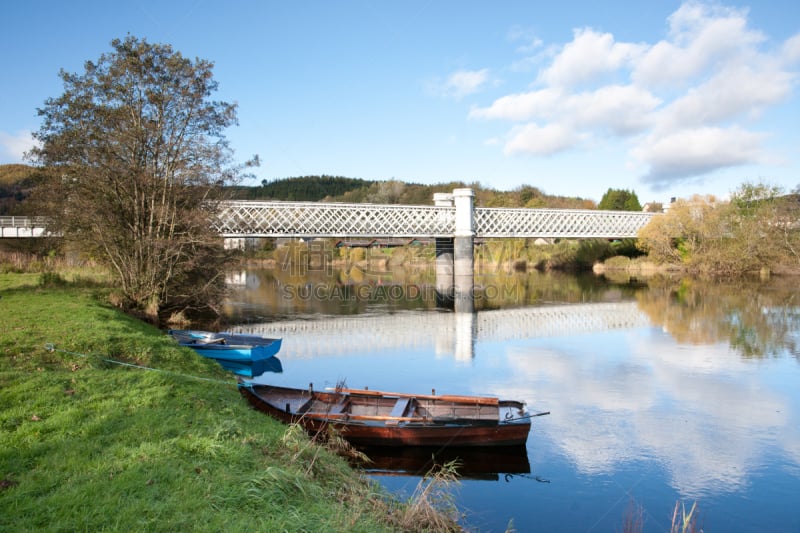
230 347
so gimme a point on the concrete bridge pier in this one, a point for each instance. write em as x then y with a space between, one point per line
444 272
463 261
444 259
454 255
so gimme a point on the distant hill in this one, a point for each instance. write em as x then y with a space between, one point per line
300 189
350 190
16 184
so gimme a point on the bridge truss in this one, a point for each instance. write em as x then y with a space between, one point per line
307 219
310 219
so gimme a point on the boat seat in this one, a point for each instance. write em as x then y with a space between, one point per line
323 408
300 406
400 407
338 408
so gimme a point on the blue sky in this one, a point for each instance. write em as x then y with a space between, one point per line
663 97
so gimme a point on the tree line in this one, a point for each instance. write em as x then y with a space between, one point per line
352 190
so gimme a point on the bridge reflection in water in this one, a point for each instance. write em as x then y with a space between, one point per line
452 334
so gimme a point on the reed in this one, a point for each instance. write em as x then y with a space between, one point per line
431 507
682 521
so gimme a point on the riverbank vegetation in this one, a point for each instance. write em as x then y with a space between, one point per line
756 231
89 444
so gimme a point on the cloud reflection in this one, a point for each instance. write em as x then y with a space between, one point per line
701 411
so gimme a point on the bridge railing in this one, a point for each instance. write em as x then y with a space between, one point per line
293 219
23 222
23 227
563 223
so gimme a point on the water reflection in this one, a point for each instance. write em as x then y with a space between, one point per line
277 293
451 334
470 463
252 369
706 417
756 319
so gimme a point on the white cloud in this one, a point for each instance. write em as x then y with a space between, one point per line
624 110
687 104
701 37
461 83
14 146
589 55
530 40
523 106
540 140
688 153
739 90
791 50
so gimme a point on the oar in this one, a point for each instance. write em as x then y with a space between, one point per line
525 416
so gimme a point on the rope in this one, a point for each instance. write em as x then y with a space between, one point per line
50 347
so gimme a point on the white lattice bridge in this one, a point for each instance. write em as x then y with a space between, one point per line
307 219
310 219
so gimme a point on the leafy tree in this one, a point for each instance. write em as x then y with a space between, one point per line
620 200
681 234
137 159
756 229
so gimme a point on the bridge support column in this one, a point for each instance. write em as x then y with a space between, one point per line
444 272
444 259
463 261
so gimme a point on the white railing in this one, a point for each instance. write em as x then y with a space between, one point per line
293 219
296 219
22 227
564 223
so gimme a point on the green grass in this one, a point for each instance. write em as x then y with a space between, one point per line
92 446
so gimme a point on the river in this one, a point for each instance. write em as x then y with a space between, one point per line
659 392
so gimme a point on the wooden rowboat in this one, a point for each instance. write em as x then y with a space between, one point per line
374 418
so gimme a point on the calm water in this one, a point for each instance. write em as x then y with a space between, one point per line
673 391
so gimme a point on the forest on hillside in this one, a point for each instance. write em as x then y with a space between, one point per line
351 190
300 189
17 182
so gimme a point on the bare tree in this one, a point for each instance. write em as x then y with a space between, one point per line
137 160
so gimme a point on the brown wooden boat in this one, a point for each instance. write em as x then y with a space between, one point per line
374 418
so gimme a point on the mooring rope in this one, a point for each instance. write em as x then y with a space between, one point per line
50 347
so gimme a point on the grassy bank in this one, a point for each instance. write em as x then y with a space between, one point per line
89 445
